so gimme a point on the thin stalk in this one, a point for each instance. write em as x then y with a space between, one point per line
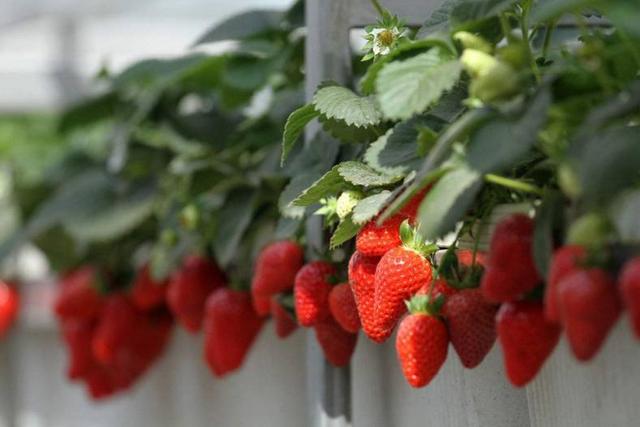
513 184
376 4
524 28
547 37
506 27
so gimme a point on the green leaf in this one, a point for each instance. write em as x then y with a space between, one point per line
545 10
396 152
500 143
330 183
88 112
408 87
439 19
404 51
340 103
117 217
294 127
608 163
447 202
624 214
241 26
158 72
234 219
475 10
346 230
246 73
364 175
348 134
549 219
369 207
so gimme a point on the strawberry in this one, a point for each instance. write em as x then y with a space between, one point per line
343 307
100 383
262 304
231 325
510 271
527 339
589 307
362 270
146 293
471 323
9 305
336 343
421 344
275 272
400 273
189 288
630 292
116 328
78 335
410 209
311 292
284 321
375 240
436 288
565 261
78 296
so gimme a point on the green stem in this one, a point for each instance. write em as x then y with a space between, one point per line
513 184
547 37
376 4
506 27
524 28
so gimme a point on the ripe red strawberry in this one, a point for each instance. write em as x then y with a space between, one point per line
275 272
100 383
471 322
78 335
362 270
467 259
436 288
284 321
589 307
311 292
336 343
9 305
342 305
116 328
189 288
374 240
262 304
78 296
231 326
400 273
410 210
510 271
630 292
421 344
146 293
527 339
565 261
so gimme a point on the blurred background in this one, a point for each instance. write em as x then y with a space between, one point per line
50 54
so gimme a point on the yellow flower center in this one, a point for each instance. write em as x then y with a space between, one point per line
386 38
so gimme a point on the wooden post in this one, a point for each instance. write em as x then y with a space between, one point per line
327 58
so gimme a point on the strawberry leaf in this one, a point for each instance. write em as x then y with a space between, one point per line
340 103
364 175
346 230
369 207
408 87
294 127
447 202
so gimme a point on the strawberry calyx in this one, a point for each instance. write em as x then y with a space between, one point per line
286 301
425 304
412 240
459 276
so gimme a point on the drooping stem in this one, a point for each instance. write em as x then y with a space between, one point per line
376 4
513 184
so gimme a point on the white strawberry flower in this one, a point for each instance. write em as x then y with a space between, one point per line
384 39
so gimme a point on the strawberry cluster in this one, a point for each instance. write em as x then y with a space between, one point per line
111 339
